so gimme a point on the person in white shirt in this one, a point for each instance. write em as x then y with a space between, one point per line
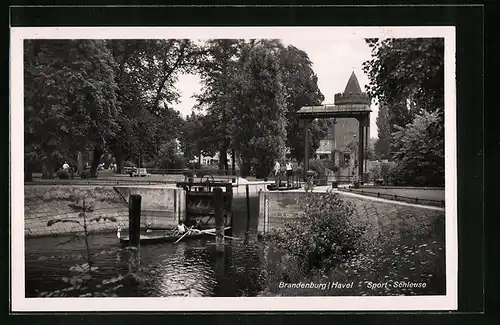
181 229
65 166
289 172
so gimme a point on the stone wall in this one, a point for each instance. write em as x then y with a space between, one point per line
49 203
161 206
277 207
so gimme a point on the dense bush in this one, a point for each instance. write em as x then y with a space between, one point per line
419 151
63 174
325 233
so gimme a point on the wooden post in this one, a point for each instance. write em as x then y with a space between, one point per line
306 148
134 219
361 148
248 205
219 219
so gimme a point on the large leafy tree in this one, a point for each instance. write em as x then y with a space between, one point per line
217 70
146 73
420 150
259 128
301 89
406 74
197 136
70 99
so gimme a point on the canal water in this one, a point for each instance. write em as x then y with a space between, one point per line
188 268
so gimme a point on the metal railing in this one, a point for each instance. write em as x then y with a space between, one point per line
396 197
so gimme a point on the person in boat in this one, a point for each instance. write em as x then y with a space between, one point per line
181 228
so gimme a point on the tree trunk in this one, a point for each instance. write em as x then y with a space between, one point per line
47 169
223 165
28 171
233 161
119 161
245 167
199 159
96 159
80 165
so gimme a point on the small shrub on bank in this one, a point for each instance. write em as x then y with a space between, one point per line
325 233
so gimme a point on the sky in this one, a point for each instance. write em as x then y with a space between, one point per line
333 61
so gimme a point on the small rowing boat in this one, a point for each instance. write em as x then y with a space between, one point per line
157 236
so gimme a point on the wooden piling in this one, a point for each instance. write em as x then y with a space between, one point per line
219 219
134 219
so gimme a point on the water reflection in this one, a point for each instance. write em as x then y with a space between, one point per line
190 268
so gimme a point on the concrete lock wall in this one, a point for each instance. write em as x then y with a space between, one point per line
161 206
275 208
253 189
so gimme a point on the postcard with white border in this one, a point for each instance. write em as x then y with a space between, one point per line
233 169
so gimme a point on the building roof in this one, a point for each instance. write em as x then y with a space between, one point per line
352 85
339 111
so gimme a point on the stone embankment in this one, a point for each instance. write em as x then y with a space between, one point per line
275 208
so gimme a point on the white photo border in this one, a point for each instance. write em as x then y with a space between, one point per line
20 303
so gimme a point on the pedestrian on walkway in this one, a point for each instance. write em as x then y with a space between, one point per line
289 173
277 169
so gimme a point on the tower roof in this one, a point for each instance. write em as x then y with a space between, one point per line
352 85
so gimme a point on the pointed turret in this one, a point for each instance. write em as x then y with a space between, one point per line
352 94
352 85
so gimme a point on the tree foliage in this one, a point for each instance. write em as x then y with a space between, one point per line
407 77
198 136
70 98
259 128
147 71
251 89
323 234
217 70
301 89
102 95
420 151
382 144
404 69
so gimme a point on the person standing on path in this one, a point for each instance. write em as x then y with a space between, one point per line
277 168
289 173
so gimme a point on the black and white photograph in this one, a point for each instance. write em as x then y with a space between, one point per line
233 168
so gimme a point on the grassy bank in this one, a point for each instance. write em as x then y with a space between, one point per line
407 260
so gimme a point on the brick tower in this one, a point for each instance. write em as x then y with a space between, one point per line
341 143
